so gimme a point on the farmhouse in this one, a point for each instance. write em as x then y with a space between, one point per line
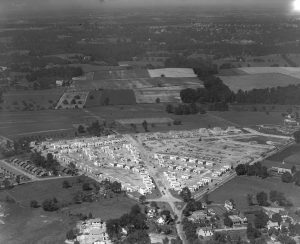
92 231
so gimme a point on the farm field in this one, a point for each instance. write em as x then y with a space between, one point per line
247 118
172 72
244 185
291 71
258 81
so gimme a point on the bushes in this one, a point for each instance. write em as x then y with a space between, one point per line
50 205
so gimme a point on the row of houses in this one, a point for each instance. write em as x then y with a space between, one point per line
29 167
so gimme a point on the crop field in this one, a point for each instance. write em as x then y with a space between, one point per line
31 100
290 71
247 118
259 81
244 185
141 120
172 72
121 74
135 83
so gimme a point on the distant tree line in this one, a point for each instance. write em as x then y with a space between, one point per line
218 95
275 95
185 109
46 77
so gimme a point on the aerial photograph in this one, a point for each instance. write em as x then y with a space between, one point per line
149 121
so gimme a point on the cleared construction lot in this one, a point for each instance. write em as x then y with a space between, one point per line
201 157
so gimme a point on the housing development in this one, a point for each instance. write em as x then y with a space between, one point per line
149 122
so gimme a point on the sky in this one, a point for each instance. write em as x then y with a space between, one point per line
36 5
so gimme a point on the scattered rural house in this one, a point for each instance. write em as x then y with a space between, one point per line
92 231
204 232
228 205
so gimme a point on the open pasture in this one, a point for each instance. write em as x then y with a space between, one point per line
238 188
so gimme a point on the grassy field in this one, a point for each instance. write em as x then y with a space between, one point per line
240 186
279 157
26 225
42 190
247 118
258 81
13 124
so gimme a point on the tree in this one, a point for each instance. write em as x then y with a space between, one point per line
186 194
86 186
286 177
262 199
252 233
142 199
50 205
34 204
7 184
138 236
145 125
170 108
153 205
261 220
81 129
241 169
297 136
166 240
296 178
71 235
250 199
66 184
276 217
18 179
227 221
116 187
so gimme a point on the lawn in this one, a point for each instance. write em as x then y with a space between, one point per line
240 186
